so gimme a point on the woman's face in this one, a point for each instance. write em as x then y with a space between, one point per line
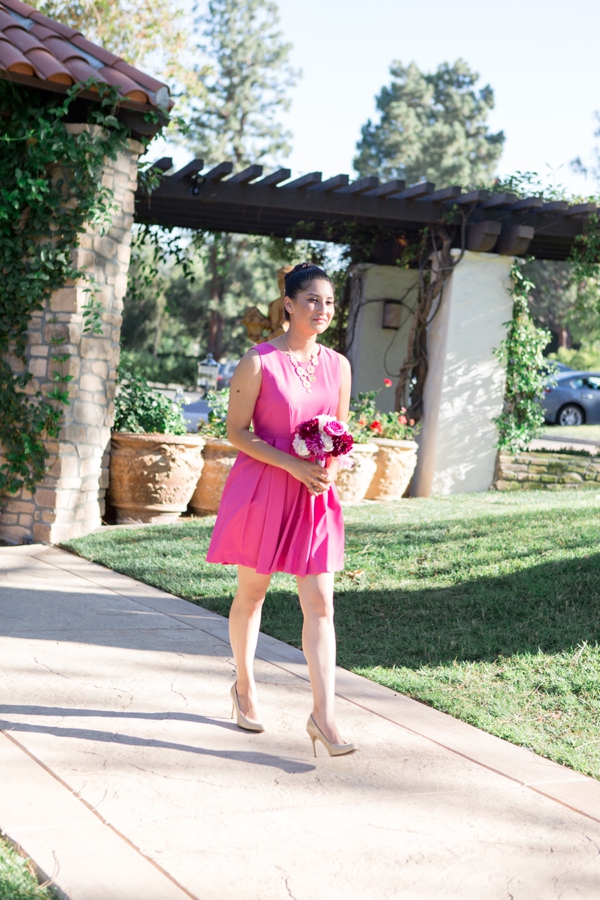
312 309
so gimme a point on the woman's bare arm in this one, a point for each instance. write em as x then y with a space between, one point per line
245 388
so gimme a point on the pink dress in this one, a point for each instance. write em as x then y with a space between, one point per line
267 519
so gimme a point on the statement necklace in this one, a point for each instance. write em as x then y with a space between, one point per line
307 376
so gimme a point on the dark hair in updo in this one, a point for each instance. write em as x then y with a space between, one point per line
299 277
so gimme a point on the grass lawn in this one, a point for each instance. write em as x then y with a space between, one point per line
16 880
486 606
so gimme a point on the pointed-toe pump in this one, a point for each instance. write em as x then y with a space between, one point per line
242 720
315 734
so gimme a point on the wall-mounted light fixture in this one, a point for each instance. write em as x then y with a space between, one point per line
391 314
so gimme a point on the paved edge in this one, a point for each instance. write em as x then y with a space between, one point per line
71 846
559 783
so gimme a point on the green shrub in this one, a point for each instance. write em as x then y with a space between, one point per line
216 426
141 410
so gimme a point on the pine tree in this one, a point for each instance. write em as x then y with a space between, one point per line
246 84
245 92
432 127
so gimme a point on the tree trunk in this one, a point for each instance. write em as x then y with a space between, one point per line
215 328
215 333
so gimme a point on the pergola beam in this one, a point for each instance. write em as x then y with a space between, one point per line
311 208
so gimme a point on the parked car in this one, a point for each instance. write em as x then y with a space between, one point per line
574 399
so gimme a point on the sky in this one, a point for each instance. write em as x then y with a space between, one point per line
539 56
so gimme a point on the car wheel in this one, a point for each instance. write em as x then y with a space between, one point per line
571 415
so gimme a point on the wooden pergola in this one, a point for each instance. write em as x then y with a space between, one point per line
248 202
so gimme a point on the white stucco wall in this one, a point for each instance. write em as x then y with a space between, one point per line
375 352
465 384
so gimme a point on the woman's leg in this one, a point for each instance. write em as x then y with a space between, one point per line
244 625
318 643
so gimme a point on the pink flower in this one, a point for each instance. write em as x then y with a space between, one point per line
387 382
334 428
412 422
403 420
315 446
376 427
308 428
342 445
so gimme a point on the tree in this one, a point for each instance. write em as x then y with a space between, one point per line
569 310
432 127
246 85
149 34
245 91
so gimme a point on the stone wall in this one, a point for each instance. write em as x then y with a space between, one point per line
538 470
70 500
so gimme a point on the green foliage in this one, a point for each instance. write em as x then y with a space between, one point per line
16 879
584 359
141 410
164 368
218 403
569 309
522 416
43 210
367 422
245 85
432 127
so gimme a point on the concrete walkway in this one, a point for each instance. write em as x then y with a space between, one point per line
123 776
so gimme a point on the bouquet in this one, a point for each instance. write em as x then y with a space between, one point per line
322 438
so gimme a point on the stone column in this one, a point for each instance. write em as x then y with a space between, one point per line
70 500
465 384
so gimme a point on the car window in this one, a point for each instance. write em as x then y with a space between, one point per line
573 382
593 382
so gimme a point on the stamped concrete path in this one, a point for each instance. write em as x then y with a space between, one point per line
123 777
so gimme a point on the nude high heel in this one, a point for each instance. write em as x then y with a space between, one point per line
242 720
315 734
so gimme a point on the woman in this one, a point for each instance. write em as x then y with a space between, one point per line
280 513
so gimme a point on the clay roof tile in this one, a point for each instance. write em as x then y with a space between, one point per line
22 8
32 44
62 50
41 31
48 68
146 81
12 60
21 39
125 84
82 71
58 27
6 20
105 56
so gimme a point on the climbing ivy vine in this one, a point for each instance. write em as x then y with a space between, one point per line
527 371
50 189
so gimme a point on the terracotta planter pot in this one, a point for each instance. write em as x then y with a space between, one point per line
352 484
396 461
219 456
153 476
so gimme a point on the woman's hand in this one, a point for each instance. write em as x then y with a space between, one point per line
315 477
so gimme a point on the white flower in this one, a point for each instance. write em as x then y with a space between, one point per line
300 447
322 420
327 443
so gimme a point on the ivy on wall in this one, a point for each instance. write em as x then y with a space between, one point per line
527 372
50 189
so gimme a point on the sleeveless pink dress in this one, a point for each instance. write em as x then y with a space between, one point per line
267 519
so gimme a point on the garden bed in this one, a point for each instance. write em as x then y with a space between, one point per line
485 606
